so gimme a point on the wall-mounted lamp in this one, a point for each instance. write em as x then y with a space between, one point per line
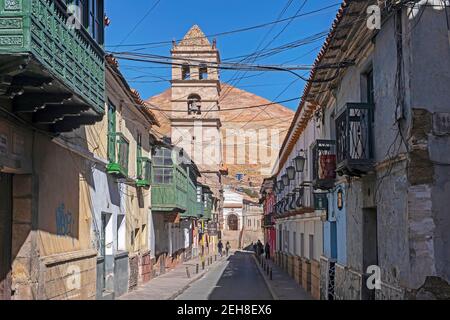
291 172
299 162
280 186
285 180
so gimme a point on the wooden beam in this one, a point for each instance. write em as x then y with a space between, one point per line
31 102
54 113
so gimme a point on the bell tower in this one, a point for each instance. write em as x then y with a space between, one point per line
195 120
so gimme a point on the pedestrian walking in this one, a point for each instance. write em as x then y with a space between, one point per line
267 250
260 248
228 247
255 248
220 247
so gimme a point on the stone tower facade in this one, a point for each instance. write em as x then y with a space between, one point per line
195 121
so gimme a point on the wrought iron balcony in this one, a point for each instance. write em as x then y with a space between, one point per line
144 172
354 139
299 203
324 164
291 201
118 152
54 74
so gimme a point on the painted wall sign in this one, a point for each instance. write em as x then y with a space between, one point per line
64 222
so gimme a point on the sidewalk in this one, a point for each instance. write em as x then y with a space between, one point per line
282 286
171 284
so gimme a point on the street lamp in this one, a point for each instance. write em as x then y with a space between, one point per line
285 179
299 162
290 172
280 185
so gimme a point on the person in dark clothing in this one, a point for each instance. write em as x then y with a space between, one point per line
259 248
220 247
228 247
267 250
255 248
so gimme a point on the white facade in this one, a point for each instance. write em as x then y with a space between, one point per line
302 234
233 205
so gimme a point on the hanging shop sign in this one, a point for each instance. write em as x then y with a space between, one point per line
340 199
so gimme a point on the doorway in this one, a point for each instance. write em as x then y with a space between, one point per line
370 245
5 235
233 222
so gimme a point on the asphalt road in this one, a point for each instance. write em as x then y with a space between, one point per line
237 278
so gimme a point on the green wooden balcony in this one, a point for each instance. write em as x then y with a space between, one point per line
144 172
169 191
118 152
191 197
53 73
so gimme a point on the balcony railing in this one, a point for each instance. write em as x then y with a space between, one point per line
144 172
118 152
354 139
324 164
54 74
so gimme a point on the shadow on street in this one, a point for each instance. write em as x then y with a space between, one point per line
241 280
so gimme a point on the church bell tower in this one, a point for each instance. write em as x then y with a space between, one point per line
195 120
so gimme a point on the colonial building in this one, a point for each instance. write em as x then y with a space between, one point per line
120 188
252 216
298 214
372 136
268 201
52 81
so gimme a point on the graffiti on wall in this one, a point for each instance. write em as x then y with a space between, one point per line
64 221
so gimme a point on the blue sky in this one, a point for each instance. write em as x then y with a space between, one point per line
171 19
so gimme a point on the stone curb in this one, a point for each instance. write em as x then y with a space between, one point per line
196 278
267 281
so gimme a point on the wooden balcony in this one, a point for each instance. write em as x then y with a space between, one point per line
354 140
118 153
144 172
53 74
170 195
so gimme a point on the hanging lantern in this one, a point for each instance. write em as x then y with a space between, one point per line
299 162
290 172
285 179
280 185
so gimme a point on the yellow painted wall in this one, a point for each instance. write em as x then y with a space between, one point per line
64 215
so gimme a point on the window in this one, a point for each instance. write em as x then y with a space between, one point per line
111 132
163 157
203 72
295 242
139 173
92 17
163 175
311 247
185 72
194 104
163 170
120 225
302 245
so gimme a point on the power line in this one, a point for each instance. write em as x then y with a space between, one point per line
139 22
235 30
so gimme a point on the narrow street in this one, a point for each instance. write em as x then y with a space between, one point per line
237 278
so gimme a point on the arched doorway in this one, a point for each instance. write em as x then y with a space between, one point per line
232 222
